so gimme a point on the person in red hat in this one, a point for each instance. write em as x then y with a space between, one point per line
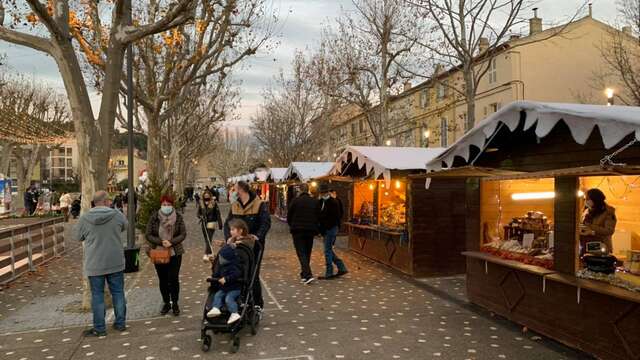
166 229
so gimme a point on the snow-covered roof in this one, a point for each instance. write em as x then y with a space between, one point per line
614 123
277 174
382 159
306 171
261 174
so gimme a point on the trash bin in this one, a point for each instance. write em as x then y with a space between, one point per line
132 259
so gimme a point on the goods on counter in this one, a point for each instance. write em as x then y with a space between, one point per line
600 263
513 250
533 223
393 214
619 279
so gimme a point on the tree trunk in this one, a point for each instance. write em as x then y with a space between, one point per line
155 161
470 94
5 158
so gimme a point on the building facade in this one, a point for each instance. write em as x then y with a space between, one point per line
537 67
119 168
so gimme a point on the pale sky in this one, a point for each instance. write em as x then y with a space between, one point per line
300 26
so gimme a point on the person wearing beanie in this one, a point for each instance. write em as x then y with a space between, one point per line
166 229
228 275
330 217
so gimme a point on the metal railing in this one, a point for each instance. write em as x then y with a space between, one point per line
25 246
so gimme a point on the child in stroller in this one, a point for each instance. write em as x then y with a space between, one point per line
230 293
228 275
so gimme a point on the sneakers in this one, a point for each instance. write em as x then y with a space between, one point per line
205 258
94 332
214 312
165 309
233 318
176 309
120 328
308 281
341 273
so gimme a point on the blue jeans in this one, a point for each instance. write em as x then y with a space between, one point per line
330 256
229 298
116 287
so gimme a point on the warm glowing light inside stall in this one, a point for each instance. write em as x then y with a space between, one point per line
533 195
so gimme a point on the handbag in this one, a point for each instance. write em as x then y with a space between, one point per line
160 255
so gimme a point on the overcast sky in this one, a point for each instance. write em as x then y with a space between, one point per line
300 25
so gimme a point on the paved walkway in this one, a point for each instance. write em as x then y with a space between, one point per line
372 313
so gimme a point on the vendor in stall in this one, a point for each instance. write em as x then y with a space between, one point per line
598 221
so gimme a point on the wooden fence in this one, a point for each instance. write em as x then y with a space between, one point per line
24 246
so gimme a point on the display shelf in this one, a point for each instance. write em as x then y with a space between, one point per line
374 228
537 270
599 287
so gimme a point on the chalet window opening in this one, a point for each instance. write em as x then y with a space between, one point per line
517 220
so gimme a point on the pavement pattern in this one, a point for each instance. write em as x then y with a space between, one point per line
371 313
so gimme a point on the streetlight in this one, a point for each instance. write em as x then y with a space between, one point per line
388 142
609 92
426 134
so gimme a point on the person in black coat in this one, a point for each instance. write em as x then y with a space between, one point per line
329 217
255 213
209 215
302 217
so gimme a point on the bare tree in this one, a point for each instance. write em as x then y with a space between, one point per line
285 126
190 132
467 35
620 53
169 64
233 153
29 113
97 32
369 52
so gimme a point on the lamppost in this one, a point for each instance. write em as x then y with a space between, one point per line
609 92
425 136
132 253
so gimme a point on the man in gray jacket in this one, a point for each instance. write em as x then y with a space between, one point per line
100 229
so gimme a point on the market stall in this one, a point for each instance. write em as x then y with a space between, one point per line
277 197
304 172
537 255
394 219
260 184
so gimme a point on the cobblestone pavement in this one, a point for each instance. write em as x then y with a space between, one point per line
371 313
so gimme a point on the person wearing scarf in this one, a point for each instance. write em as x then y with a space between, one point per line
166 229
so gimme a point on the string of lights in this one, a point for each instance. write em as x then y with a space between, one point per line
26 129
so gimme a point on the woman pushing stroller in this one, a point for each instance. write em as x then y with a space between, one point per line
209 214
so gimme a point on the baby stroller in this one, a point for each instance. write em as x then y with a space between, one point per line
249 315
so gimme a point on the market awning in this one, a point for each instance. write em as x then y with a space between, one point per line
380 160
614 122
306 171
277 174
469 171
261 174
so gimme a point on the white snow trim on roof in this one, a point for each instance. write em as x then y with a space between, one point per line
382 159
614 123
277 174
306 171
261 174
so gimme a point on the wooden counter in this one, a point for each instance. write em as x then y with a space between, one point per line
594 316
388 247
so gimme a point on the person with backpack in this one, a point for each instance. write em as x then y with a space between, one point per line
302 218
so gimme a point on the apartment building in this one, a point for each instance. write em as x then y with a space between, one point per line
537 67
